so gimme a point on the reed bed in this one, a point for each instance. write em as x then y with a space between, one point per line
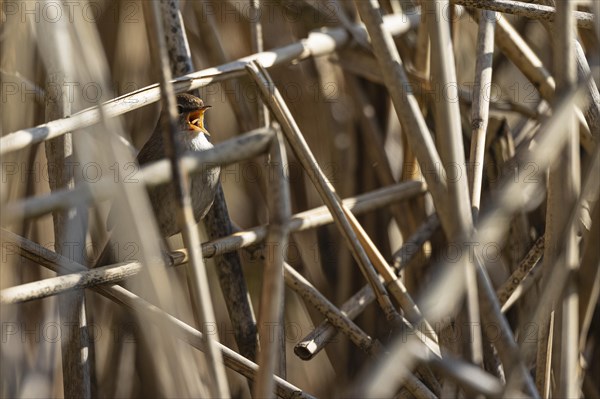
407 207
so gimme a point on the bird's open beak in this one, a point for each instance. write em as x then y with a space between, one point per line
195 120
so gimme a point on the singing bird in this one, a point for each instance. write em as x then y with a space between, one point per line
194 137
203 185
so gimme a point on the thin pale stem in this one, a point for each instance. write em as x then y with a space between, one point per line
451 149
196 271
326 190
70 224
534 11
405 103
481 104
272 297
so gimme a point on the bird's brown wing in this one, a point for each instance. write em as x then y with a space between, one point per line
153 150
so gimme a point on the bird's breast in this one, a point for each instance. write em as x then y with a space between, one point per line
197 143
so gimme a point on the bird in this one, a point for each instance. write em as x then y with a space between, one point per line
192 136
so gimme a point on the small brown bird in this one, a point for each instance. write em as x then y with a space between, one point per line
203 185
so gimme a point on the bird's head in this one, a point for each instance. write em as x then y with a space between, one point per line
191 111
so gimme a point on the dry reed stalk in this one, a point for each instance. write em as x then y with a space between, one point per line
450 146
144 309
590 285
69 282
480 107
70 224
196 271
302 151
557 276
216 54
246 146
317 43
117 272
405 254
257 45
383 379
217 221
590 289
271 312
514 47
534 11
404 102
563 190
315 217
521 272
490 228
337 317
392 282
592 113
404 214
